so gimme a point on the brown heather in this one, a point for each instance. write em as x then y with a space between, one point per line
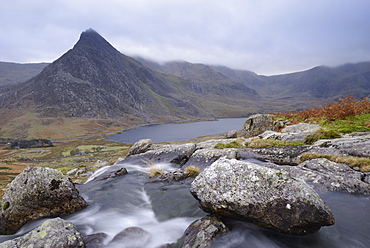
339 110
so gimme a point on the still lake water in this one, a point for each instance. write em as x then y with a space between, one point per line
178 131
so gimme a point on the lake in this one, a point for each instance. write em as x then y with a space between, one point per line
178 131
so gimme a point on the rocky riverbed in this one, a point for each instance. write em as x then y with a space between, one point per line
268 187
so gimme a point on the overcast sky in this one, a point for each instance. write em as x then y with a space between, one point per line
264 36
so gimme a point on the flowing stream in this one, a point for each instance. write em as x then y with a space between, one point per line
164 211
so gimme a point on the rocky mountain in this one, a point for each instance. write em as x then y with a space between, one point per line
95 81
12 73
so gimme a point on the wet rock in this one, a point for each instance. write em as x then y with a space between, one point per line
80 172
56 233
257 124
95 240
328 174
119 172
131 237
35 193
141 146
177 154
201 233
203 158
266 197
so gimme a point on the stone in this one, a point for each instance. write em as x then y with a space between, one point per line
201 233
95 240
113 174
35 193
140 146
258 123
56 233
177 154
329 175
231 134
296 132
203 158
131 237
266 197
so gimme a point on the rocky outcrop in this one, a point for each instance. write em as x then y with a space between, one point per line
280 155
36 193
297 132
177 154
201 233
56 233
327 174
266 197
140 146
258 123
203 158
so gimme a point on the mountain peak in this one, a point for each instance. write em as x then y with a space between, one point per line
93 40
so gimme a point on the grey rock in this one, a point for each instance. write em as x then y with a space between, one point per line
177 154
280 155
131 237
257 124
95 240
328 174
203 158
212 143
266 197
35 193
141 146
231 134
296 132
201 233
53 233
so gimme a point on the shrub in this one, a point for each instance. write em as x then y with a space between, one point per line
232 144
191 171
155 171
75 151
321 134
259 143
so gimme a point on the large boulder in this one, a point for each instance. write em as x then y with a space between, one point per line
35 193
202 232
203 158
258 123
141 146
329 175
177 154
266 197
56 233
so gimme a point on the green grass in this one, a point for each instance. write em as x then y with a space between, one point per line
232 144
321 134
357 123
260 143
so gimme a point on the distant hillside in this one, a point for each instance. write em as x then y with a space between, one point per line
12 73
317 83
93 81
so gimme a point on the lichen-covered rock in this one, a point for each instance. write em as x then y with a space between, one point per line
177 154
203 158
35 193
258 123
201 233
55 233
141 146
266 197
328 174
